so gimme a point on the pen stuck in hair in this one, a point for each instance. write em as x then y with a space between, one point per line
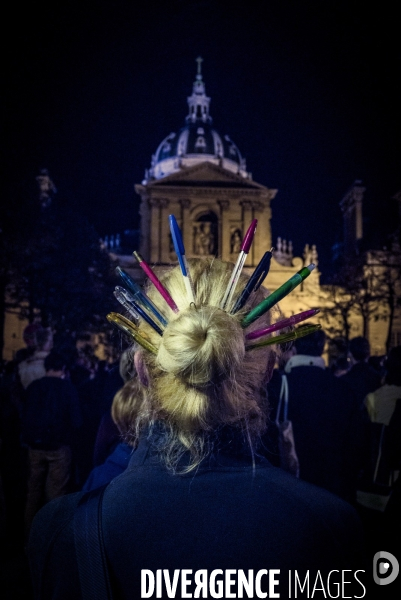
140 296
255 281
131 330
277 295
180 252
130 302
289 322
285 337
156 282
245 247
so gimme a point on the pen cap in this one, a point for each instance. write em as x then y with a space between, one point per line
248 239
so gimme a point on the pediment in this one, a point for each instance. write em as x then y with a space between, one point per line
204 174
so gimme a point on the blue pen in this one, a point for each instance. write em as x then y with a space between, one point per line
180 252
255 281
129 302
140 296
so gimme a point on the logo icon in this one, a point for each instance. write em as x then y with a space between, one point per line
385 568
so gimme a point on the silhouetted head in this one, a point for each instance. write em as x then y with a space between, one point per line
311 345
359 348
54 361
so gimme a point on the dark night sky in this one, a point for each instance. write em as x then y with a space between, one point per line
308 90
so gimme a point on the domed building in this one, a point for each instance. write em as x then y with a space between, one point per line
201 177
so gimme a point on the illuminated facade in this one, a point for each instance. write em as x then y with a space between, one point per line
201 177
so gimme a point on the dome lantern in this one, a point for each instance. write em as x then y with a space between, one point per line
198 103
196 142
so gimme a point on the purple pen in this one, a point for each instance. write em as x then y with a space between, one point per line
302 316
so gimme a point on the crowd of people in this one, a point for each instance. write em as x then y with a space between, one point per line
185 448
54 399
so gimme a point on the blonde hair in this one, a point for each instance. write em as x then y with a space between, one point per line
125 408
201 378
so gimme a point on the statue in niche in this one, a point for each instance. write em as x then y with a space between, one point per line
235 241
204 239
46 188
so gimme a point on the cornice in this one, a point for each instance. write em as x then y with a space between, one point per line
180 192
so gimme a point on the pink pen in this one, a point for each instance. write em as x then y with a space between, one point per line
302 316
158 284
245 247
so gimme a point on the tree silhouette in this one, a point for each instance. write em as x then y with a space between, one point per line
53 266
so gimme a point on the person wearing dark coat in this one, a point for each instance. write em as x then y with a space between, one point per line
329 425
229 515
199 511
117 453
114 465
96 396
50 423
362 378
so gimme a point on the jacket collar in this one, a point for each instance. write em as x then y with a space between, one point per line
228 451
304 360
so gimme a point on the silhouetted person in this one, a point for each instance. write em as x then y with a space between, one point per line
33 367
381 403
341 366
361 378
52 417
379 489
126 404
96 396
326 417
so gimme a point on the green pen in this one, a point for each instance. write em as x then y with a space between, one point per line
277 295
286 337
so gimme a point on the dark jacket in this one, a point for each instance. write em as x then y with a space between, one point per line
114 465
362 379
226 514
329 426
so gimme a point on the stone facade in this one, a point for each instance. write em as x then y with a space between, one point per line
201 178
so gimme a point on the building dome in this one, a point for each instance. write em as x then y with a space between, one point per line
196 142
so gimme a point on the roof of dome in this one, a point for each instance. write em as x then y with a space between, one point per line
196 142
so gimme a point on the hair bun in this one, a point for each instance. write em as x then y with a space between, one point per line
202 346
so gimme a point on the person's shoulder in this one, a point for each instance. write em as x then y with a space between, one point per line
311 378
51 550
51 520
314 502
56 511
121 454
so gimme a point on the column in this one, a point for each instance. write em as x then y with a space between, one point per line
223 241
154 230
186 225
164 231
247 216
